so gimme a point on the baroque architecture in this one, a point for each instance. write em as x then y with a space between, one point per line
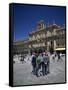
21 47
45 37
42 38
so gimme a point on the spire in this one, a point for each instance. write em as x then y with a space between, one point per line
41 25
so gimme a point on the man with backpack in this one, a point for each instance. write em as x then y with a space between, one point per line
38 63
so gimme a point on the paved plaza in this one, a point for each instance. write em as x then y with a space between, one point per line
23 72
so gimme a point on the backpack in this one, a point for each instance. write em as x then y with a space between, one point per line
38 60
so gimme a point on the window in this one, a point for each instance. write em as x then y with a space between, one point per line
48 33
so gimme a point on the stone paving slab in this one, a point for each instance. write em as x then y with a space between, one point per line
23 76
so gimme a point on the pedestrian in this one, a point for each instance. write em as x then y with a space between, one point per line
59 56
53 57
22 58
38 64
45 65
33 63
48 64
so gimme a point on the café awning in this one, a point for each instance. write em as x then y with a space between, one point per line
59 49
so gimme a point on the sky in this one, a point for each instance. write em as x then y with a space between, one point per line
25 18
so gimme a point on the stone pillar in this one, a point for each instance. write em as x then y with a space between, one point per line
48 44
54 44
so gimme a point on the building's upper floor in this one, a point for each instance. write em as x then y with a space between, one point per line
44 32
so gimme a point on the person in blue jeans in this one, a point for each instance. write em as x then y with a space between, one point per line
45 64
34 63
38 64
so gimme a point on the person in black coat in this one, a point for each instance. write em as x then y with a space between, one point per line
34 63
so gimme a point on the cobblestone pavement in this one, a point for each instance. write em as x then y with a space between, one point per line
23 76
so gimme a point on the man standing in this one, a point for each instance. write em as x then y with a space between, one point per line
38 64
48 64
45 69
34 63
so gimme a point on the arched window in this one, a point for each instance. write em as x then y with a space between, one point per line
48 34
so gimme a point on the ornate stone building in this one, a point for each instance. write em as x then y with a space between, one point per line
42 38
45 37
21 47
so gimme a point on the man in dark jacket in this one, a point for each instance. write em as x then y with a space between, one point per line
46 64
34 63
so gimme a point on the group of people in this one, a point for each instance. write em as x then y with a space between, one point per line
40 63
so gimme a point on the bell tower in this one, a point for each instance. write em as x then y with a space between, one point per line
40 25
